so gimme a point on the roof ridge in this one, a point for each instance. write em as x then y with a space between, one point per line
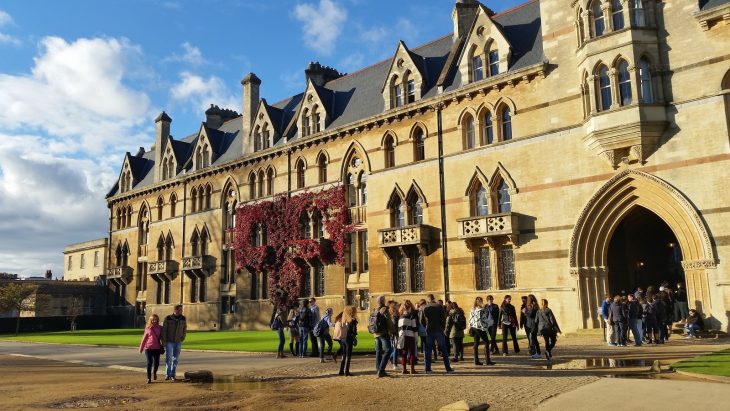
519 6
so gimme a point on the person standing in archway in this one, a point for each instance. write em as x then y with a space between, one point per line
605 312
681 307
617 319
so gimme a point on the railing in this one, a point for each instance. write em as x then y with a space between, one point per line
399 236
198 262
161 267
122 272
358 214
488 226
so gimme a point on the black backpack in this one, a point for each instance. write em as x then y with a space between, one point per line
305 318
460 320
377 324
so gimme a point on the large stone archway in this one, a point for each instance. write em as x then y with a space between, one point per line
605 210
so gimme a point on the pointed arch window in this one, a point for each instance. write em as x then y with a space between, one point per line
317 225
352 193
645 81
322 167
319 280
488 128
624 83
617 17
265 136
397 91
164 170
480 201
206 156
144 226
419 150
398 213
194 199
415 208
300 173
195 244
411 90
493 57
469 134
252 186
598 21
363 189
637 13
257 139
604 87
270 182
261 184
315 119
306 123
161 248
305 226
201 198
204 238
477 68
504 202
168 247
389 150
506 124
173 204
129 216
208 196
125 255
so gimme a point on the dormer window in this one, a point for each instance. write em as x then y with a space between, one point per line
315 120
397 93
257 143
411 88
477 68
306 123
493 62
404 82
125 181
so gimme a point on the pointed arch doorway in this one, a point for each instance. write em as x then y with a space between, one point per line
639 210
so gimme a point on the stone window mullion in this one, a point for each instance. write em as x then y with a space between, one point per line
607 17
613 76
628 21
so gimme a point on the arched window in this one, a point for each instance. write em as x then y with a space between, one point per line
617 10
160 207
201 198
398 213
199 157
493 57
119 218
161 249
637 13
322 166
206 156
117 254
125 255
204 242
504 204
208 196
319 280
506 124
488 128
415 208
604 87
480 201
300 173
581 27
194 199
252 186
168 247
469 134
129 216
624 83
477 68
144 226
419 150
411 91
306 123
598 22
195 244
351 191
315 120
363 189
164 169
305 226
265 136
389 151
173 204
257 139
261 181
317 224
397 92
270 182
645 81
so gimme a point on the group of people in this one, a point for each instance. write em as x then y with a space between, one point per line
649 315
398 327
163 339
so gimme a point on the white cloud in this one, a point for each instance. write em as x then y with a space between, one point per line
190 55
63 124
200 93
8 39
374 35
5 19
321 25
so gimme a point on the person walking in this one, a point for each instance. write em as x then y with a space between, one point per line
548 326
636 315
407 333
305 322
508 322
278 323
491 313
380 326
617 319
531 310
478 330
456 324
434 318
151 344
322 331
349 338
174 330
338 334
315 319
681 308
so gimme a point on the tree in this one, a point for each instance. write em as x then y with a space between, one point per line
18 297
74 311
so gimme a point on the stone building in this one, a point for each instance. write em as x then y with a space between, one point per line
54 298
85 261
565 148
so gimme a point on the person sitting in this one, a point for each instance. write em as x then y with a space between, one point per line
694 323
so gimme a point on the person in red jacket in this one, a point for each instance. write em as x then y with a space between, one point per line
151 346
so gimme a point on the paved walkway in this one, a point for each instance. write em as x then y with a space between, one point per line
130 359
639 395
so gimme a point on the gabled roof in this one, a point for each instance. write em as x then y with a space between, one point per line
416 60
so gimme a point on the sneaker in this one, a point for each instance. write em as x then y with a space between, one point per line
450 371
504 354
429 372
167 378
536 356
478 363
613 344
149 381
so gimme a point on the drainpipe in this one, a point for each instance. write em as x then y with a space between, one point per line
442 192
108 257
185 216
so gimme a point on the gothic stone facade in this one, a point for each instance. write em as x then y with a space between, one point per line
498 160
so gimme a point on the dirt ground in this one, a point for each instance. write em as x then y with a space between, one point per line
516 382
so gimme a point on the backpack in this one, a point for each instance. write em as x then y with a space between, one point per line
305 318
377 324
320 328
459 320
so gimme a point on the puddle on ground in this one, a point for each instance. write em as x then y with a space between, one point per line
606 362
664 375
235 383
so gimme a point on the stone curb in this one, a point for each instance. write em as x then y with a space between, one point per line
715 378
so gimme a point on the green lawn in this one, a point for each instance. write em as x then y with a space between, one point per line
251 341
717 363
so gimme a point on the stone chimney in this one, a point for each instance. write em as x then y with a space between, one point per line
465 11
251 85
163 132
320 74
216 116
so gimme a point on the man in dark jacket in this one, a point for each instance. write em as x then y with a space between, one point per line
491 316
174 330
636 314
383 347
617 319
681 307
434 318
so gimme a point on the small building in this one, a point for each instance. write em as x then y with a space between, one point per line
85 261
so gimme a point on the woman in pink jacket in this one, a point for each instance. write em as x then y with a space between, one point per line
151 346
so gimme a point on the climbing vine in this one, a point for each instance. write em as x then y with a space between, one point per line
268 237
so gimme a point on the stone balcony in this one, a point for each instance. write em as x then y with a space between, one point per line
162 267
122 273
402 236
492 225
198 263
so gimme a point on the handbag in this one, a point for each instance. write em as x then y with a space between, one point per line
401 343
472 332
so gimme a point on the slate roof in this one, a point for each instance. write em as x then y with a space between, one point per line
711 4
357 96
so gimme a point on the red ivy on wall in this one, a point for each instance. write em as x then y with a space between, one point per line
285 254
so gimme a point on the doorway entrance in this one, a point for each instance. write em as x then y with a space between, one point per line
643 251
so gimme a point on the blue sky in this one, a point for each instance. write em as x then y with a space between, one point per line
81 82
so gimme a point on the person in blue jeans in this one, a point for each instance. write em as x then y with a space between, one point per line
305 324
174 330
278 323
383 347
636 315
434 317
